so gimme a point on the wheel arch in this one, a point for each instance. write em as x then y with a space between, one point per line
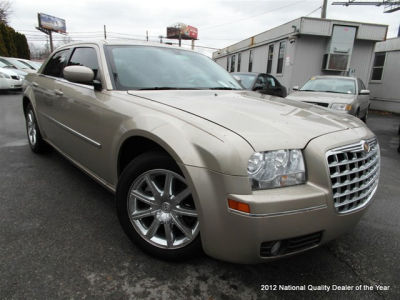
135 145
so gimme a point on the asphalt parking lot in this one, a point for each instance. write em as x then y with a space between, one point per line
60 238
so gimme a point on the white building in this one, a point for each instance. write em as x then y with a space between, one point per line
385 76
302 48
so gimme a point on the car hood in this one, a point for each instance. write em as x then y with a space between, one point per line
8 72
265 122
321 97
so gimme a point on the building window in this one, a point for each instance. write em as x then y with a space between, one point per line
282 46
377 68
270 57
250 61
239 61
233 63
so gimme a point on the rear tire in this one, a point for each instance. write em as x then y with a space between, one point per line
156 209
35 140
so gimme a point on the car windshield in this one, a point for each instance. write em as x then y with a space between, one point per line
246 79
35 64
6 64
27 64
157 68
330 85
18 64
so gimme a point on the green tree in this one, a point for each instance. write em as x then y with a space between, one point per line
13 43
3 48
22 46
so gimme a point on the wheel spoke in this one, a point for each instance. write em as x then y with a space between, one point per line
144 198
169 236
153 187
153 228
185 212
182 227
140 214
168 185
176 199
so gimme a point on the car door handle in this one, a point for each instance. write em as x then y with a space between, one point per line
58 92
35 84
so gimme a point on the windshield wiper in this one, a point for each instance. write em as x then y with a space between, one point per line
308 91
221 88
333 92
165 88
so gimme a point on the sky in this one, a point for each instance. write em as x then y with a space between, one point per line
220 23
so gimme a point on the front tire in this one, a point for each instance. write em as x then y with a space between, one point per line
156 209
364 119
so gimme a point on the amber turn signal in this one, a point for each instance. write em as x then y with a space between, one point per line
240 206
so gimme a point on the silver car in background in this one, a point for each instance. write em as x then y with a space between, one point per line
340 93
9 80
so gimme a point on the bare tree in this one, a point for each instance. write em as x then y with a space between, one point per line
5 11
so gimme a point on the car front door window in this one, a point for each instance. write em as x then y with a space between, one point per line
56 64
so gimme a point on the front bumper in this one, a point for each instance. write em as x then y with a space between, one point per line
276 214
11 84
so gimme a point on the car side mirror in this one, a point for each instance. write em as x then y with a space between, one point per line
79 74
364 92
295 88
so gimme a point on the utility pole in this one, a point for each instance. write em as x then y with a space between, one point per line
180 37
323 10
105 32
51 41
192 44
147 35
48 32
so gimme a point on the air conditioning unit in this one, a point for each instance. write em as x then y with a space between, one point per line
335 62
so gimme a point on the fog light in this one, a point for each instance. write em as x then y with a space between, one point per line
275 248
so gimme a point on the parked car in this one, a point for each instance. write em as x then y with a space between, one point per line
7 65
10 61
343 94
260 82
34 65
9 80
195 161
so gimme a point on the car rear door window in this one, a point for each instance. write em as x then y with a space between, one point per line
271 81
56 64
85 57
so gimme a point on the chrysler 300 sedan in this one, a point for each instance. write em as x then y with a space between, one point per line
195 161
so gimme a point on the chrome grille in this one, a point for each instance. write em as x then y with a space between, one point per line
354 174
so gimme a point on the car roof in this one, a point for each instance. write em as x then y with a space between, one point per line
117 42
335 76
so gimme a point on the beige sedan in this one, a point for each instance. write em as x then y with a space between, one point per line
196 162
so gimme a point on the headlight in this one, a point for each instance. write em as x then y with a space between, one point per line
341 106
3 75
273 169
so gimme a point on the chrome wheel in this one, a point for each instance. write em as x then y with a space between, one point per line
161 209
31 127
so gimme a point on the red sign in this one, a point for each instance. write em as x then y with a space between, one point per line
185 32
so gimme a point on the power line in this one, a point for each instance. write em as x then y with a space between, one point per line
318 8
250 17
